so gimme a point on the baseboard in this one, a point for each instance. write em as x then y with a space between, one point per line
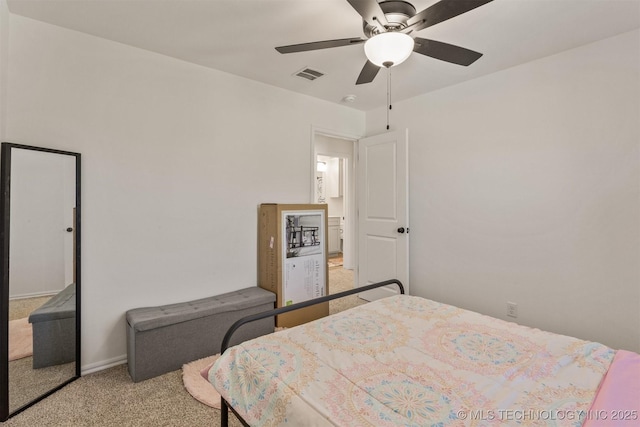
34 295
104 364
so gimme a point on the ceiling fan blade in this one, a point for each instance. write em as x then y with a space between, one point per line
325 44
445 52
441 11
368 73
371 12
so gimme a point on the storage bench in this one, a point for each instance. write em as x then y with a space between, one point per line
54 330
162 339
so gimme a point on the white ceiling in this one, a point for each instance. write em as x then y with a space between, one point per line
239 36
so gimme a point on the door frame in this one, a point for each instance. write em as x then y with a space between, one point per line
351 223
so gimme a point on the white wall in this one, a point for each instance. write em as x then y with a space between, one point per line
176 159
42 202
524 187
4 54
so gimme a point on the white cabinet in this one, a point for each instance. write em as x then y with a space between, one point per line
334 234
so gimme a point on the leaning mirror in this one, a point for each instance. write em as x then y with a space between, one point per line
40 280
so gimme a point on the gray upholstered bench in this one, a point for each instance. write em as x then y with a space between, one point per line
54 329
162 339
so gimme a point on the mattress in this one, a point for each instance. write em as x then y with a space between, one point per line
409 361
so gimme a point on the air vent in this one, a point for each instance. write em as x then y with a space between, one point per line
309 74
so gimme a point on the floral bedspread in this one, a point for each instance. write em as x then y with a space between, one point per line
409 361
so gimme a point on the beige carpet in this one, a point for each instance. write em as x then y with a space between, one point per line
341 280
26 383
110 399
20 339
19 308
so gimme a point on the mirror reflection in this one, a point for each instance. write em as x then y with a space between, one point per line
42 279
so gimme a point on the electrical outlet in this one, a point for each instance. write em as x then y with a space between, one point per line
512 309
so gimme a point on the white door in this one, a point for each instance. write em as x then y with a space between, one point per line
383 212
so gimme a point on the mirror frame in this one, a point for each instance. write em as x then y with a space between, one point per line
5 204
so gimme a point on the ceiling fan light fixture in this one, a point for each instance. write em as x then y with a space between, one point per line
388 49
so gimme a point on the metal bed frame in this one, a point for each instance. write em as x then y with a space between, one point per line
225 406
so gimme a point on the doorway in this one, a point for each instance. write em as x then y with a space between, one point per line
333 183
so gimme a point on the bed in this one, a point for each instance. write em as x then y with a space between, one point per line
409 361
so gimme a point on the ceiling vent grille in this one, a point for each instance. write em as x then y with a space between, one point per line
309 74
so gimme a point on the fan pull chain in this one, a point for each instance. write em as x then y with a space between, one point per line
388 95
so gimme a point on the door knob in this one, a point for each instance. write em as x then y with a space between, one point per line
401 230
69 230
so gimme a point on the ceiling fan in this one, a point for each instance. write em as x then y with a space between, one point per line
387 26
